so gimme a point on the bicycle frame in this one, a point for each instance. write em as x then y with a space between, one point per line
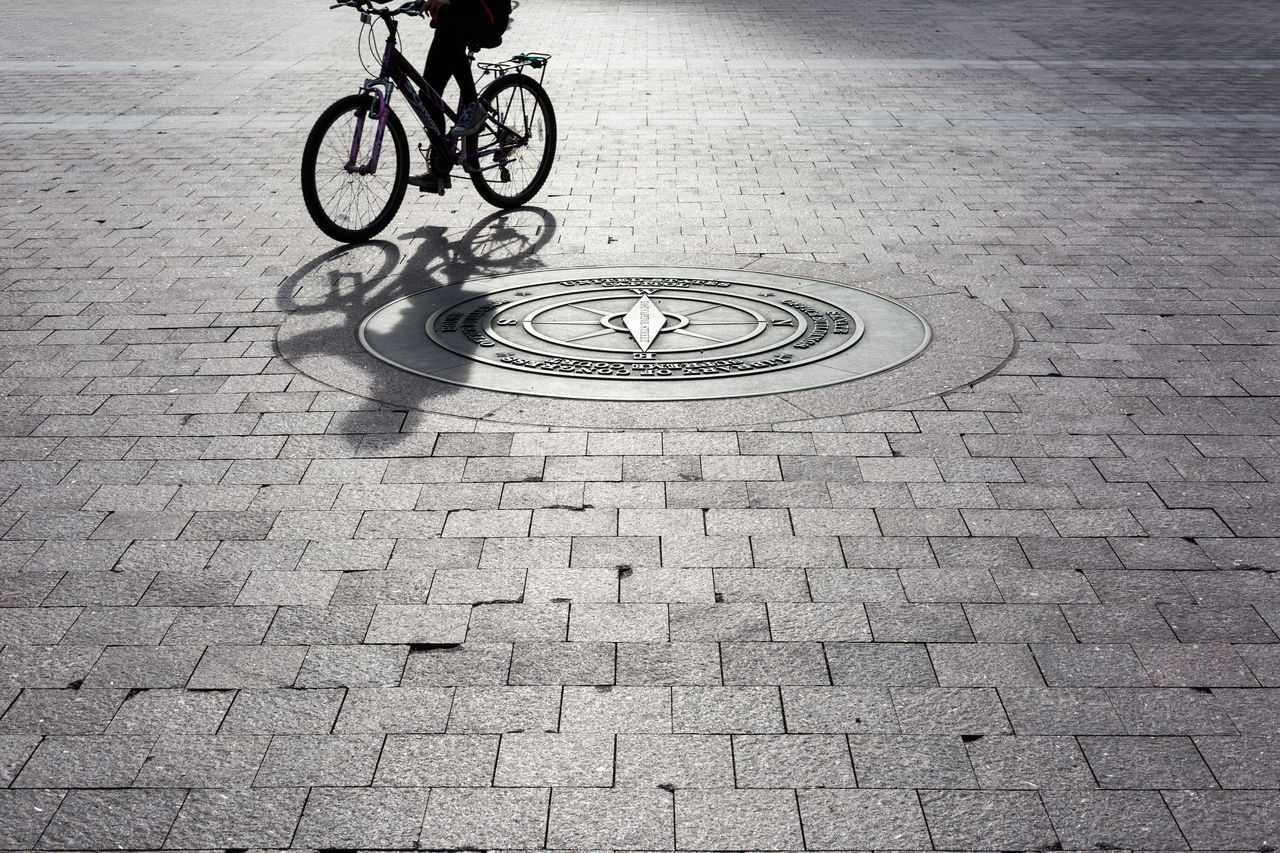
398 73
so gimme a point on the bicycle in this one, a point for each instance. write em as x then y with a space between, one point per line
350 189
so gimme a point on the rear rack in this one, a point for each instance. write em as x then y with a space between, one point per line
517 64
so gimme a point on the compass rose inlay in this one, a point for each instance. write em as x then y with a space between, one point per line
646 335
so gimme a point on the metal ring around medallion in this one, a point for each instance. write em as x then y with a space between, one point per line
645 334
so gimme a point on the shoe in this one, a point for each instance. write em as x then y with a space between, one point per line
430 182
470 120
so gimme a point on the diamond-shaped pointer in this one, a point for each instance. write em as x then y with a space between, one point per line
645 321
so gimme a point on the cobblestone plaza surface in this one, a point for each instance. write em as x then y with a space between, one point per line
243 608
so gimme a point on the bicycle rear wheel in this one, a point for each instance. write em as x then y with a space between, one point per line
510 158
346 204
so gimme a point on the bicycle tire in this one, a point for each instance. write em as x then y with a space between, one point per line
347 206
515 103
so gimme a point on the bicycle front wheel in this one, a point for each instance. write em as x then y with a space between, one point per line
347 200
510 158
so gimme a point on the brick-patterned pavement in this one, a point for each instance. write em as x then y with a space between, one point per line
242 609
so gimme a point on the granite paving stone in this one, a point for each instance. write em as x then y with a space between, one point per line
1194 665
320 760
283 711
737 820
903 664
1096 820
25 816
1240 762
951 584
85 761
14 752
669 663
605 708
855 585
138 820
665 585
984 664
181 760
673 761
316 626
741 585
237 666
193 589
774 663
839 709
1061 711
144 667
822 622
418 623
847 819
485 819
796 551
719 622
518 622
618 623
104 626
397 709
220 626
537 663
1005 762
561 760
385 818
911 761
61 712
982 820
505 709
914 623
161 711
476 586
726 710
1021 623
1175 711
1221 820
1078 665
352 666
588 818
221 818
792 761
1146 762
457 664
924 710
436 760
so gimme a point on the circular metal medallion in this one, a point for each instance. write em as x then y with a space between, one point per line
645 334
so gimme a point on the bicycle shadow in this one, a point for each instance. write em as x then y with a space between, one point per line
327 298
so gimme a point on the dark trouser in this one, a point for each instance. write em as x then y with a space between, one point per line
447 58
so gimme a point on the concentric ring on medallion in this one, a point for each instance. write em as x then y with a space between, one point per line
644 334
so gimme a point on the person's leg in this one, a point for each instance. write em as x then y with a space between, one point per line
438 70
456 27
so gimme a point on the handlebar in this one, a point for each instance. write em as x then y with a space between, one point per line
413 7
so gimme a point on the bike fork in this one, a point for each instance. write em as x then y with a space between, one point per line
380 93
